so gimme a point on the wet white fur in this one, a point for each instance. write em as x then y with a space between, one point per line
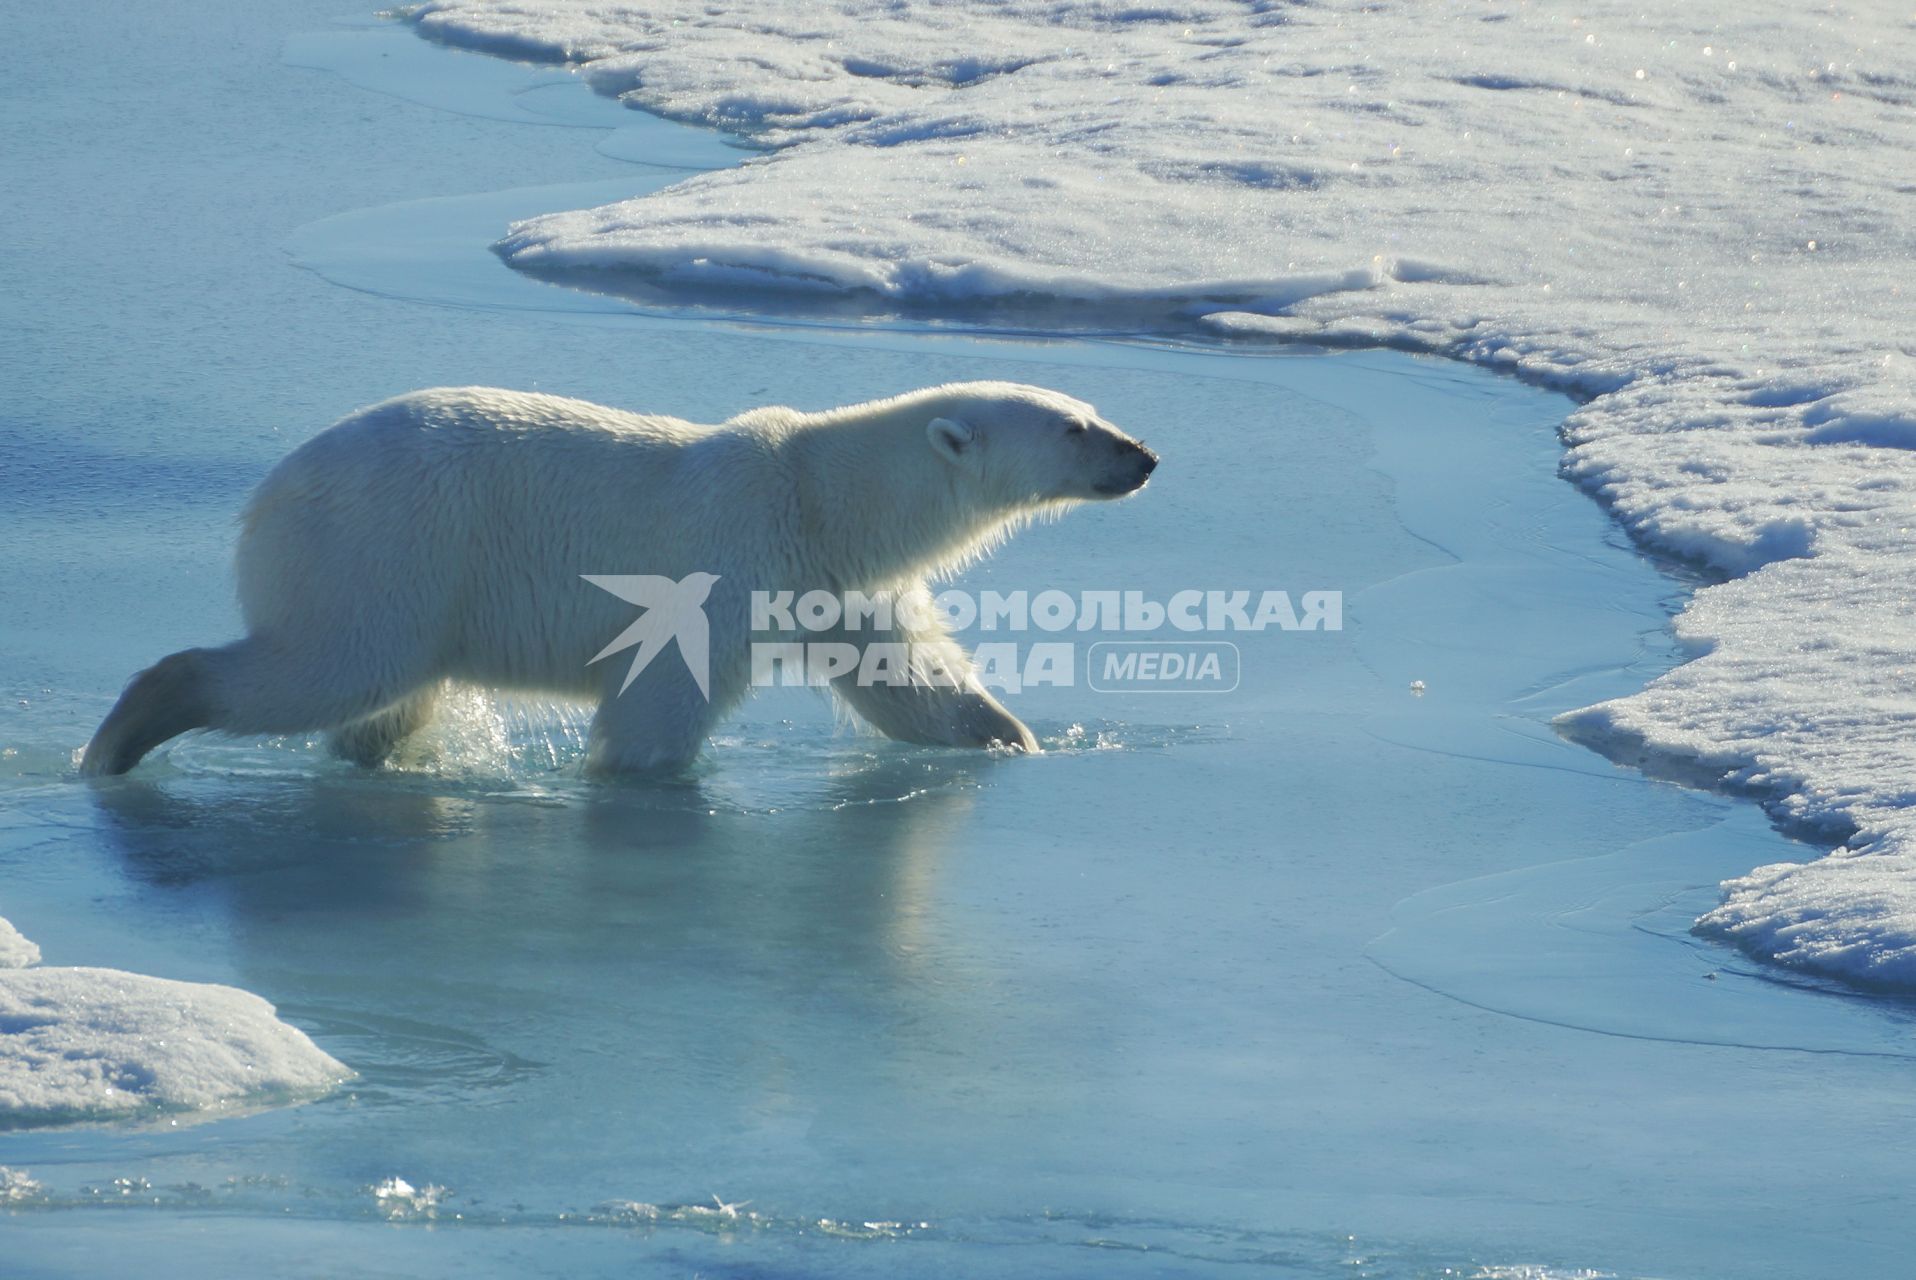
441 536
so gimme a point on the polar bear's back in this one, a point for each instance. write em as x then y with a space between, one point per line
478 426
465 459
463 517
494 413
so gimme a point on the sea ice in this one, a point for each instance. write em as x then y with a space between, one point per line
16 952
1689 215
97 1044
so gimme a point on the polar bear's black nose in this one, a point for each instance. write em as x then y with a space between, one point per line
1150 462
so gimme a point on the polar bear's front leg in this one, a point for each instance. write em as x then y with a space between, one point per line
656 726
660 698
660 722
942 705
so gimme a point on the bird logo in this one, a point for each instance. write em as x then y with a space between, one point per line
673 611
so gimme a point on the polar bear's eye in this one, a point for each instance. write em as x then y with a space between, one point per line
1076 429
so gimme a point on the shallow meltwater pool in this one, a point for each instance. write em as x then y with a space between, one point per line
1350 968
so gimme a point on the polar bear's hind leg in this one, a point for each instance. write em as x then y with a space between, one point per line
252 686
369 741
167 699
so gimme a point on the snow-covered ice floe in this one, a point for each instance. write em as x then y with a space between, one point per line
16 952
79 1044
1697 216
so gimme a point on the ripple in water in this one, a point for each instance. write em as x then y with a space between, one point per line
484 746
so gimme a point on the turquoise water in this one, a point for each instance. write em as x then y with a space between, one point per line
1320 977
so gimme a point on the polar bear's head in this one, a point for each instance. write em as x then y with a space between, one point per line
1022 445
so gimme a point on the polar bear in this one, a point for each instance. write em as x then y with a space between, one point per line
482 536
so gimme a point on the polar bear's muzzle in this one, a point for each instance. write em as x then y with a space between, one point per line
1135 466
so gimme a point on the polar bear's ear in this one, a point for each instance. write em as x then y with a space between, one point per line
950 438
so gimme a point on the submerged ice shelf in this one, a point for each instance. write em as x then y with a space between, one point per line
1564 943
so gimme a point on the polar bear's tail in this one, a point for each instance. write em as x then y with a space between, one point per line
162 702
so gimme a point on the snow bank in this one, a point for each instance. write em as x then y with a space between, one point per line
1696 215
99 1044
15 951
